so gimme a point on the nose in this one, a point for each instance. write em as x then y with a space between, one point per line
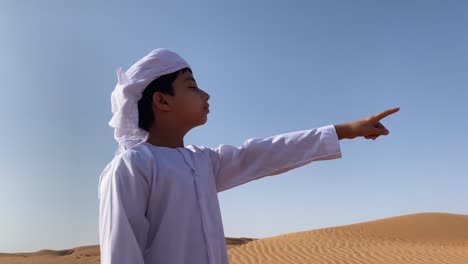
206 95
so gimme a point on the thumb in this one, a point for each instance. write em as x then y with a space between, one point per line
380 130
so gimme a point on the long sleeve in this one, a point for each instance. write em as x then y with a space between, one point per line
124 191
257 158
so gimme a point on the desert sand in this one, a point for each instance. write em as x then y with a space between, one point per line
428 238
82 255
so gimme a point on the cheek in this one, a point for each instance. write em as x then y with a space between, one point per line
189 103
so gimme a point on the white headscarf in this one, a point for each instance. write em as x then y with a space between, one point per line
129 90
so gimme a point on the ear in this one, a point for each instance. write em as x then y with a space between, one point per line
161 101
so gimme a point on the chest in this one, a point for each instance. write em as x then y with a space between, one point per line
183 176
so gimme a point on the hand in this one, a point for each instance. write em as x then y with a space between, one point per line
368 127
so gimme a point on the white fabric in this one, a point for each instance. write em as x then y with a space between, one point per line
129 89
160 205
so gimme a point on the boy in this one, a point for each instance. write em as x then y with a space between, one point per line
158 199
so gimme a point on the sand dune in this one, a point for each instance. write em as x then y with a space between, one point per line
428 238
84 255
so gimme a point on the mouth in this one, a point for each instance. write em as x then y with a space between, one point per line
207 107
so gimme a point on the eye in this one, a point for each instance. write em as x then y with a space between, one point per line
194 87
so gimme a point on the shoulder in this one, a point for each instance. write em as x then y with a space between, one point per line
139 155
136 163
136 158
129 164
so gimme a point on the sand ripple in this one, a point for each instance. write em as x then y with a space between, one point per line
427 238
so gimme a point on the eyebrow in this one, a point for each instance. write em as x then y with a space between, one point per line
189 79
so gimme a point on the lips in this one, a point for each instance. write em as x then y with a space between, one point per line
207 108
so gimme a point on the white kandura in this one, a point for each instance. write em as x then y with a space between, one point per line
160 205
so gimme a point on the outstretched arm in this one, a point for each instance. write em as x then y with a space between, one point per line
369 127
260 157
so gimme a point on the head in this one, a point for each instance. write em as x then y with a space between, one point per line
175 96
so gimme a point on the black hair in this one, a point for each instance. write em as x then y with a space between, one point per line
162 84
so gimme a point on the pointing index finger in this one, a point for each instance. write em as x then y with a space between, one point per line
386 113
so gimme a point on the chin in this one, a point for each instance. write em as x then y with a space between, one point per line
201 121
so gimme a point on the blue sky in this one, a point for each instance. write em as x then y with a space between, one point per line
270 68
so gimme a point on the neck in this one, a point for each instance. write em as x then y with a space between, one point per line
168 137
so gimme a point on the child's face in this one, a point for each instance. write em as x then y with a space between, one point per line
190 103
